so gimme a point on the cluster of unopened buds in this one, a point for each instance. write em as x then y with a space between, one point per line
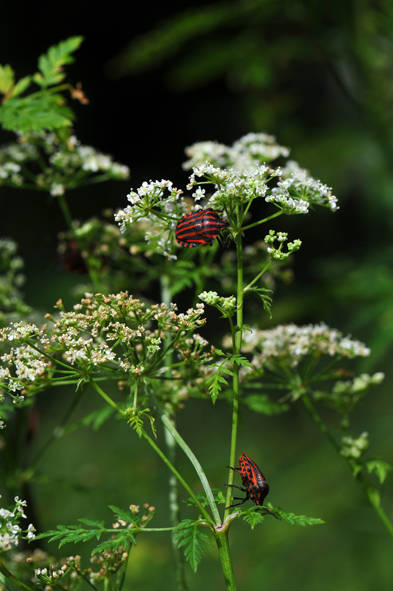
277 252
354 448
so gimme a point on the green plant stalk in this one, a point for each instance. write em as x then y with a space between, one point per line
237 341
174 513
329 436
9 575
68 218
198 468
152 443
225 559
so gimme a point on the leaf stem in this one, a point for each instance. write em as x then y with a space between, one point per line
198 468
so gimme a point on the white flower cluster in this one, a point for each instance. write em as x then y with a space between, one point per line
22 365
296 190
62 165
101 333
10 530
245 153
354 448
226 305
291 343
278 253
231 184
359 383
157 203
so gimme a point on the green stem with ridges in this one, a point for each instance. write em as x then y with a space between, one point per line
237 341
226 563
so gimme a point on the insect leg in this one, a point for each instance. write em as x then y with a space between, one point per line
236 486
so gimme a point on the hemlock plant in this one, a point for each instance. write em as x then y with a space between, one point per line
142 360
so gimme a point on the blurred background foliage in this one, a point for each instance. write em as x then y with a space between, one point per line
319 76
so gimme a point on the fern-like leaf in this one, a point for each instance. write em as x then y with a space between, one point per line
188 536
51 64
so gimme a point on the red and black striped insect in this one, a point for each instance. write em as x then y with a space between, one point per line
199 228
254 482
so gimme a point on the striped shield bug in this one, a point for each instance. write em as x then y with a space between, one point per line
199 228
254 482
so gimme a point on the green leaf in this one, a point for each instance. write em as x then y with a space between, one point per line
66 534
238 359
261 403
253 517
380 467
36 112
21 86
6 79
120 513
188 536
91 522
292 518
50 64
123 539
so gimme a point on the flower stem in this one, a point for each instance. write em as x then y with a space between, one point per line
223 552
371 492
270 217
237 342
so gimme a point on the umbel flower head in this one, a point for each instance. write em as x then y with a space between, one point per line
61 165
226 179
291 344
116 336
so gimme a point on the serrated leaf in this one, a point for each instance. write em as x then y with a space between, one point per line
380 467
50 64
21 86
262 403
120 513
292 518
113 543
6 78
91 522
36 112
188 536
240 360
253 517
